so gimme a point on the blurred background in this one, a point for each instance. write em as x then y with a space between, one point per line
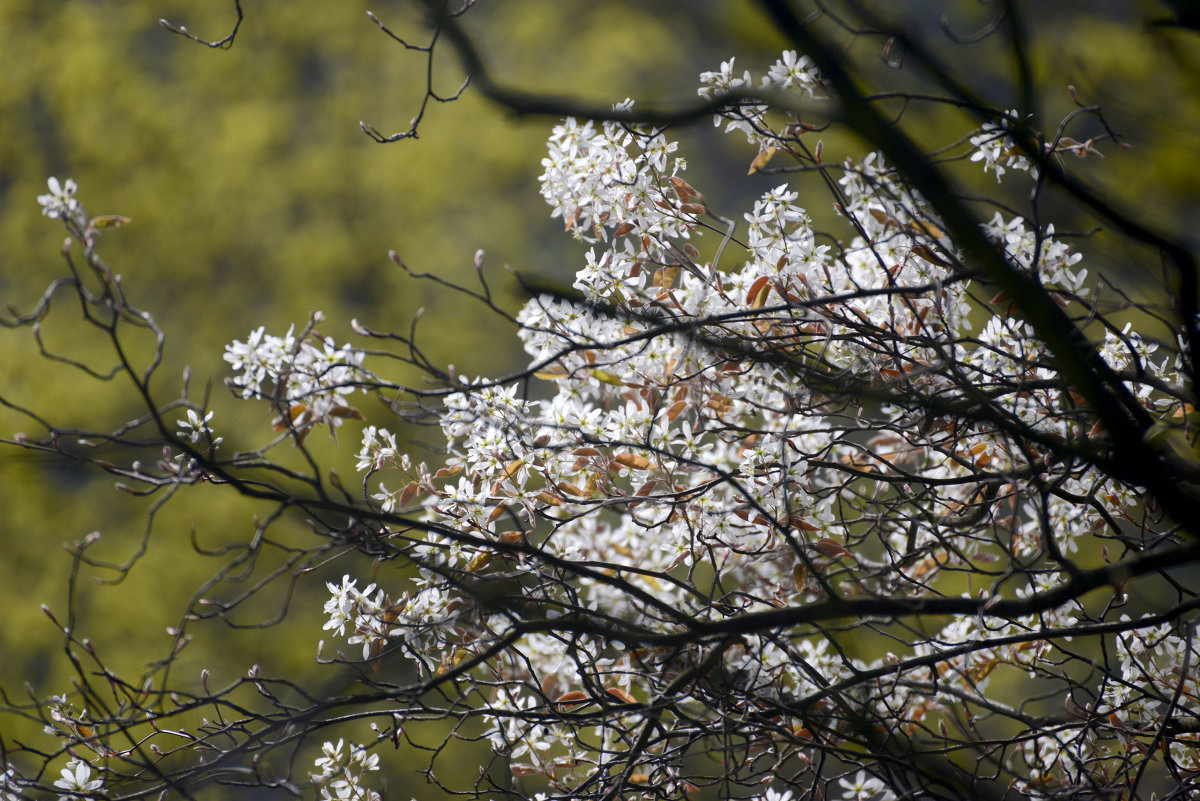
256 199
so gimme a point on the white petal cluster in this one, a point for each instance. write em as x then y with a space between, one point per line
614 181
60 202
76 781
11 785
196 429
688 461
308 376
342 772
997 150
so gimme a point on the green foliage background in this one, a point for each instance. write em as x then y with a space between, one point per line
256 199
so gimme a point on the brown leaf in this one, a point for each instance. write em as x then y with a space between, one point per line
832 548
676 409
633 460
684 189
409 492
802 524
647 488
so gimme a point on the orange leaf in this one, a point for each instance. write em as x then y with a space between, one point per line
618 693
633 460
289 418
573 697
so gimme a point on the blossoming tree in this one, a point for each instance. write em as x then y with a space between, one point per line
771 513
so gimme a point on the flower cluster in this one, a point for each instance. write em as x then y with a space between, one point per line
705 452
76 781
307 377
997 150
60 202
342 772
196 430
614 181
791 73
11 785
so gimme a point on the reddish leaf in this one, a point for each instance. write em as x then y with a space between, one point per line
832 548
573 697
618 693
